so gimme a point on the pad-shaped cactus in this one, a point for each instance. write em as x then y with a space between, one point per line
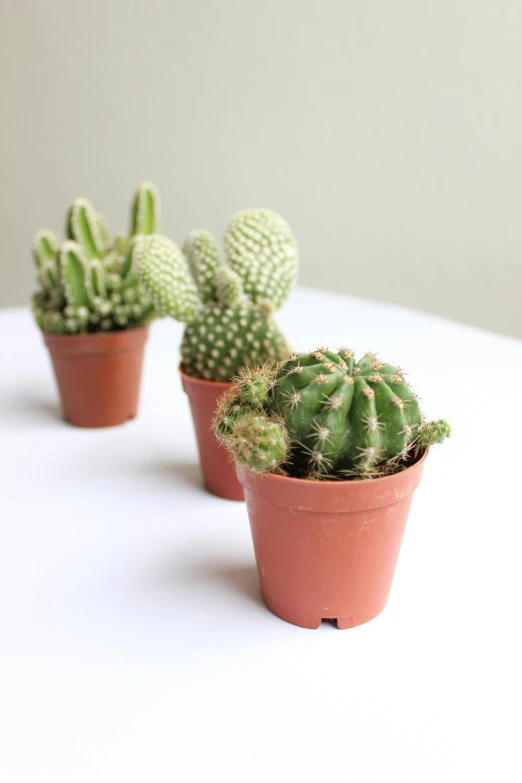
164 274
340 418
232 326
87 284
260 247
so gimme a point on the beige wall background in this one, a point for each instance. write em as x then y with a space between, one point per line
387 132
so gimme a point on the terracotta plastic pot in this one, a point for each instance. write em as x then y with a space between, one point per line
327 549
219 473
98 375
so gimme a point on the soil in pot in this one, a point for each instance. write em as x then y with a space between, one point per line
98 375
327 549
219 472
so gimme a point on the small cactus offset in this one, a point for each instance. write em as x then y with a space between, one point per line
87 283
323 415
227 308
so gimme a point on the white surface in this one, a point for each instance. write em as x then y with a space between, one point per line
134 644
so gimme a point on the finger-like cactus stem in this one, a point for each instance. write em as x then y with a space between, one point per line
85 227
74 273
98 285
165 276
145 212
48 274
202 254
45 248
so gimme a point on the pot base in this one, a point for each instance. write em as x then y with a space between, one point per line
311 621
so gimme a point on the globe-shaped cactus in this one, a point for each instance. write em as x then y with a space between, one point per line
322 415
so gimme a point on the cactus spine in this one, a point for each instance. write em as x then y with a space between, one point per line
337 418
227 308
87 284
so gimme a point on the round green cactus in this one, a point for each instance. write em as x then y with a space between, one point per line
233 326
340 418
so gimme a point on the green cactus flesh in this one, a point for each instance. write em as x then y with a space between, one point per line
45 248
145 212
87 228
223 339
260 444
86 284
228 308
164 274
202 254
261 248
342 419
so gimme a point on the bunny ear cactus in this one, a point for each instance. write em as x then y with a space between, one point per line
232 326
337 418
164 274
260 247
87 284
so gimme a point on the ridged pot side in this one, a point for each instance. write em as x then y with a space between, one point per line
219 473
327 549
98 375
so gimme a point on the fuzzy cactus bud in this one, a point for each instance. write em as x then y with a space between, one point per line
258 443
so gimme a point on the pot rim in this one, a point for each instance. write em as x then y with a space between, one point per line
203 381
332 496
91 344
276 477
93 335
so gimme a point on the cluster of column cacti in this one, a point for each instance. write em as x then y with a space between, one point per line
227 308
88 283
322 415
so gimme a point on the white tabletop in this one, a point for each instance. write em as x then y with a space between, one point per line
134 644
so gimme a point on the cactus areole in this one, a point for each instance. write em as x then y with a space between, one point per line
323 415
227 308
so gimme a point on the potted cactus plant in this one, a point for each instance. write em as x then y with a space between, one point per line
329 451
228 311
93 312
